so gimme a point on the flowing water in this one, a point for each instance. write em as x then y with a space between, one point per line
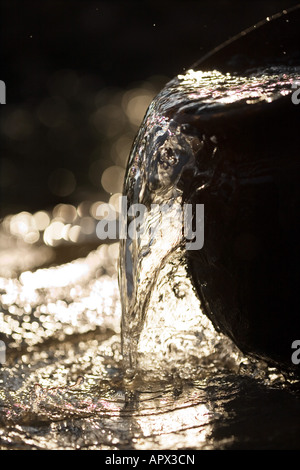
167 168
72 379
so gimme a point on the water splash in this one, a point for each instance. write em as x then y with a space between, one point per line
63 387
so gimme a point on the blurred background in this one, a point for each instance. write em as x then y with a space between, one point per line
79 77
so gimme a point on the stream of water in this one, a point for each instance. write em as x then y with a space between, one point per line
79 374
176 158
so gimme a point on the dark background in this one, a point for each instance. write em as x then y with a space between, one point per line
104 48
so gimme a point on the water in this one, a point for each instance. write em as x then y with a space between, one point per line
73 380
176 158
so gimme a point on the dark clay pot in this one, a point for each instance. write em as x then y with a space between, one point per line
247 273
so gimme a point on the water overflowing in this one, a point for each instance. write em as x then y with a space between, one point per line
177 383
168 166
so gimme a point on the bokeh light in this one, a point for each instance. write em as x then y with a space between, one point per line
62 182
112 179
89 130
